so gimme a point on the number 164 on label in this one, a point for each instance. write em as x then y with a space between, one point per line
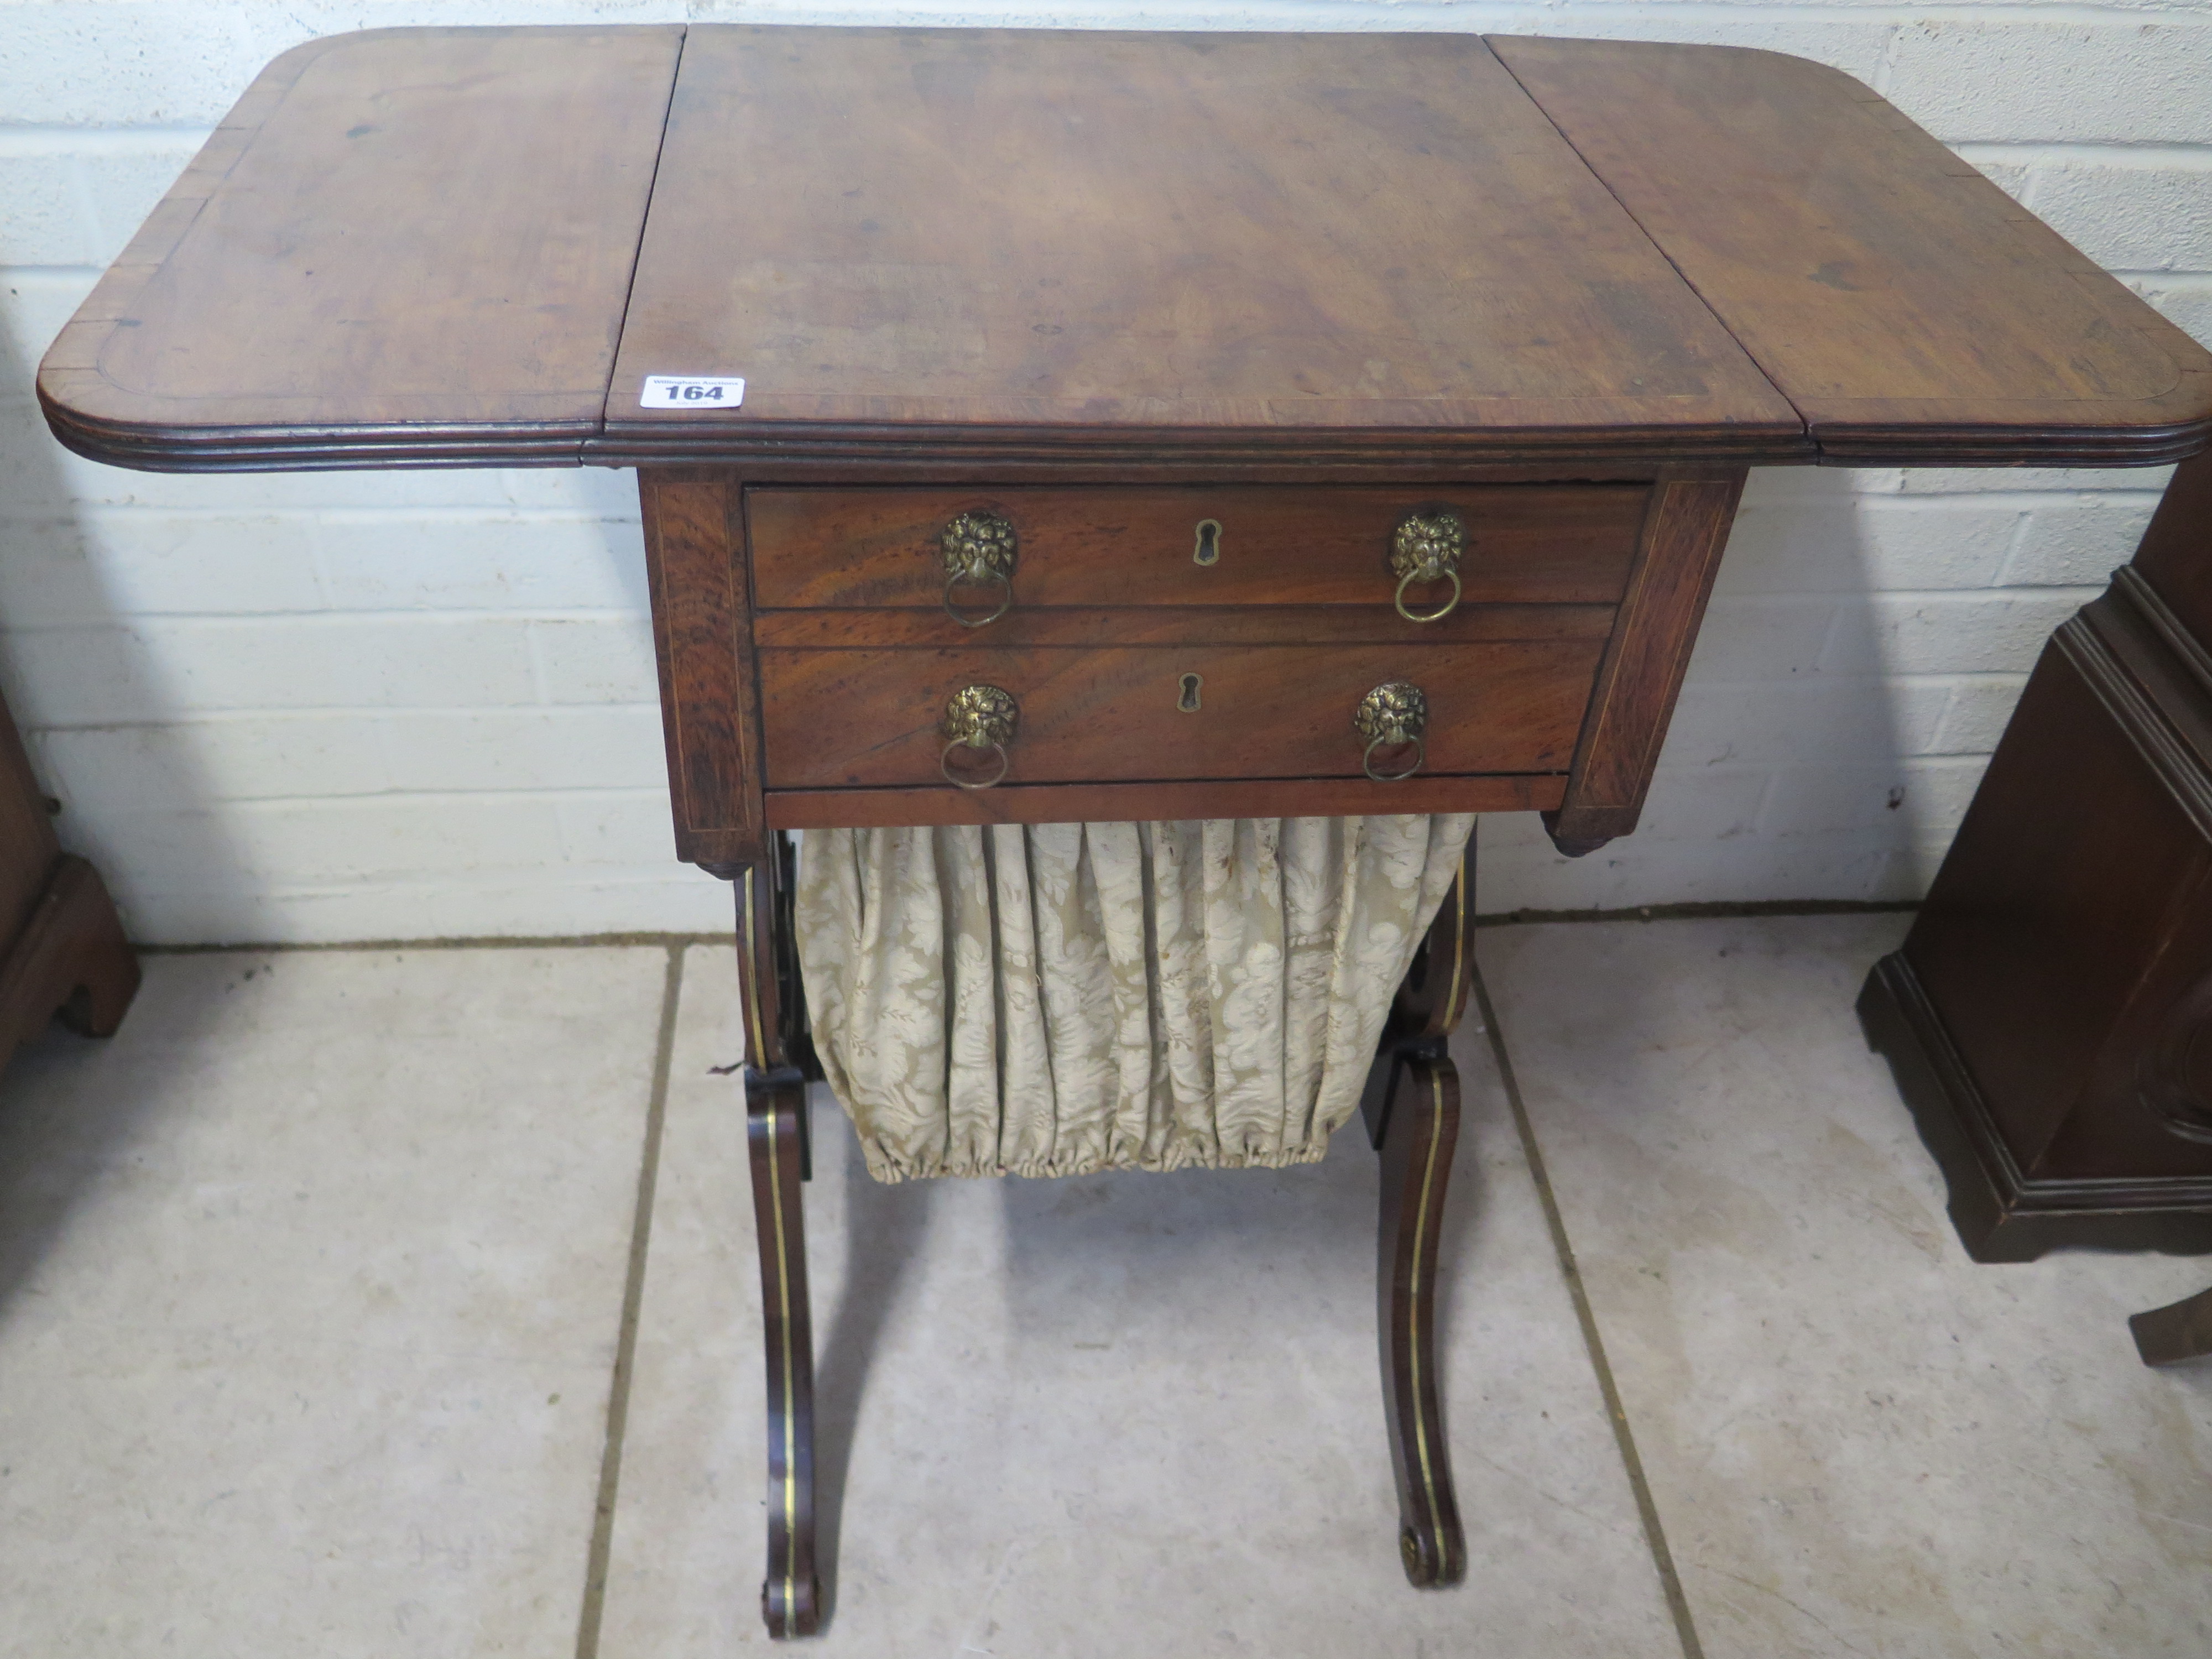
700 392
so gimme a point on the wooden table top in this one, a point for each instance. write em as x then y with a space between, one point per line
1039 253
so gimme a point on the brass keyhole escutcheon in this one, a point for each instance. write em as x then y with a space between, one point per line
1426 548
1393 715
1207 550
978 717
1187 701
979 548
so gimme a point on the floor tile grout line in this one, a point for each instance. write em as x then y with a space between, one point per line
649 1178
678 940
667 941
1647 1508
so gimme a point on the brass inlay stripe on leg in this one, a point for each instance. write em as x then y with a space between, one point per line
783 1301
747 979
1459 945
1413 1311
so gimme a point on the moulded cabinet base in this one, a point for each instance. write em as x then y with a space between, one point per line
2001 1214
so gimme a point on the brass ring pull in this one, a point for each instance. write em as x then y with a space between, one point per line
1442 611
1367 763
978 717
1392 715
979 546
945 765
1006 598
1427 547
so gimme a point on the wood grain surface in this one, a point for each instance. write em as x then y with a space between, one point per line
1677 558
1906 305
1131 235
705 653
858 719
1527 543
977 254
402 245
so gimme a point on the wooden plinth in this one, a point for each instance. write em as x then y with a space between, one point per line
2050 1016
70 959
64 951
2001 1213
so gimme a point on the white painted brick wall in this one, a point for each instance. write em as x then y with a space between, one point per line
353 706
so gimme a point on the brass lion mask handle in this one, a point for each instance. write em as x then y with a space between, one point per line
1426 547
1392 715
978 717
978 549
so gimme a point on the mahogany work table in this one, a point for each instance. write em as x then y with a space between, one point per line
1132 426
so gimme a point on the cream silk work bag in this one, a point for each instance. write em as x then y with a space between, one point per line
1052 999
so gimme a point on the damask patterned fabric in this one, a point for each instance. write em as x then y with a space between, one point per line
1051 999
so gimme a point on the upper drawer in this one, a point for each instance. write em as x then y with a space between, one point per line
1526 543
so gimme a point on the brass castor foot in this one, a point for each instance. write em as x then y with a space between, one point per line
793 1607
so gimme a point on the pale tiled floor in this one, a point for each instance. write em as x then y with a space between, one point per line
313 1284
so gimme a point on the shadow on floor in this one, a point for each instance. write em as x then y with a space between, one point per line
885 1227
73 1109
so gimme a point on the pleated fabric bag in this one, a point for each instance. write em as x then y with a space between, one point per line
1052 999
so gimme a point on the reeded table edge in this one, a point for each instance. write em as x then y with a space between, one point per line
1157 451
1177 449
1919 446
149 448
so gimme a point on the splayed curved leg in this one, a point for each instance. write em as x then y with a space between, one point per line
1419 1132
1412 1109
777 1059
775 1105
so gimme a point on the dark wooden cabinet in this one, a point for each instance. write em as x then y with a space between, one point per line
65 951
2050 1015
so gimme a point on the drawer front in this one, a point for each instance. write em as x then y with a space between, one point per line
847 719
1526 545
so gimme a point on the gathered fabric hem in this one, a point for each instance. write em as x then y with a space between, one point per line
1161 1163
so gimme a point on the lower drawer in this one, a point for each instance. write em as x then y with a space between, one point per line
861 719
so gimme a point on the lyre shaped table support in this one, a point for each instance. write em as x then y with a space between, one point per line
1410 1108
